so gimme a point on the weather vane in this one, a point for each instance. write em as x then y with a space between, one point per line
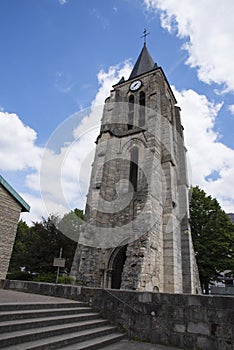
145 35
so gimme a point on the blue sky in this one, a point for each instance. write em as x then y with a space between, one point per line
60 57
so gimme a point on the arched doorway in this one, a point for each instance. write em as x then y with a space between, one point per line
117 267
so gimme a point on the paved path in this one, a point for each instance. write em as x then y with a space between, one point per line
10 296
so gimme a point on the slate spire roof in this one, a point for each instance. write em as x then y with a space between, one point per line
143 64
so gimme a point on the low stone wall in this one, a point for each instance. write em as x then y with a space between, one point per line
187 321
222 290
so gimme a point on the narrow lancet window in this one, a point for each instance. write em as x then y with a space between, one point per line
133 174
142 109
130 112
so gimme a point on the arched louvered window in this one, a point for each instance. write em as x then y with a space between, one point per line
133 173
130 112
142 109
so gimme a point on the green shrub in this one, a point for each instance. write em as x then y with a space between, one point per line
51 278
45 277
19 275
80 283
65 280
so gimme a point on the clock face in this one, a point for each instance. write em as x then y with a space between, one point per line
135 85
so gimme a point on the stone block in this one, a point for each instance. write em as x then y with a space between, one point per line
224 331
145 297
205 343
221 344
198 328
180 328
189 342
194 300
196 313
216 316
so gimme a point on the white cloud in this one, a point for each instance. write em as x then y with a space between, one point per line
208 27
17 144
206 153
37 208
63 2
63 176
231 108
66 164
105 81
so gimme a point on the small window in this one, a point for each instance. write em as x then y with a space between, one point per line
130 112
142 109
133 173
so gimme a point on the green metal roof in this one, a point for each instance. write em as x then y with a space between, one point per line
7 186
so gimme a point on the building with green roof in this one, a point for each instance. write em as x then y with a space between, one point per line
11 205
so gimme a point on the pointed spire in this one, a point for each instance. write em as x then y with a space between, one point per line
143 64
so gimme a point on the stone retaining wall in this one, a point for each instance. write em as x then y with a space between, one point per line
187 321
222 290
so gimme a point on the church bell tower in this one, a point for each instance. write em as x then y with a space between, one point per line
136 233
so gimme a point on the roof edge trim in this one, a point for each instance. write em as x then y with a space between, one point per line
10 189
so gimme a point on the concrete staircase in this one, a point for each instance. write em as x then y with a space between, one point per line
65 326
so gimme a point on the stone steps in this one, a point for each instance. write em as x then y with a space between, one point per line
54 326
16 325
21 314
39 305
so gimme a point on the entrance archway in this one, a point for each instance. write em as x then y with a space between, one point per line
117 267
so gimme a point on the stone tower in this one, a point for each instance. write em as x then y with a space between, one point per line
136 233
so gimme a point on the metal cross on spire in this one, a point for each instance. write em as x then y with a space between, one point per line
145 35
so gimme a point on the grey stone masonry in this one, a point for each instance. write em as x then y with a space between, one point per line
192 322
11 205
136 233
9 215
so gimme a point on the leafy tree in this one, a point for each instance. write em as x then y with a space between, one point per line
71 223
36 247
20 246
213 236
